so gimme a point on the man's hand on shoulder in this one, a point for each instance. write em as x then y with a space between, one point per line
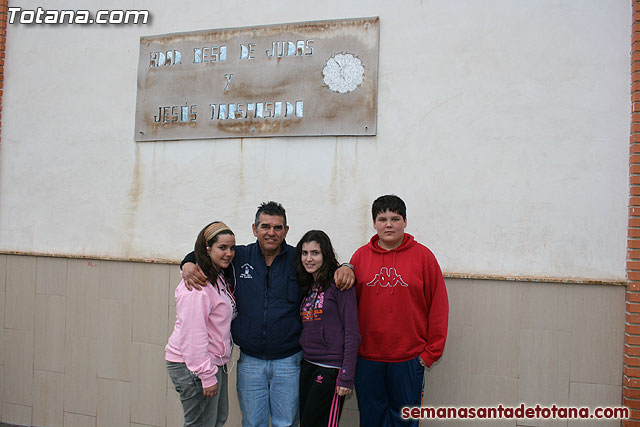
194 277
344 277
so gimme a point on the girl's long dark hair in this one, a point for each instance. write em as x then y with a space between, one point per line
329 261
204 261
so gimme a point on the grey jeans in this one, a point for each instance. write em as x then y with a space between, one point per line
200 411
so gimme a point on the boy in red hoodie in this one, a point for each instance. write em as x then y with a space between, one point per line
403 311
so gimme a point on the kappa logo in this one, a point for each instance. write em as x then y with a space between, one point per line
388 277
246 271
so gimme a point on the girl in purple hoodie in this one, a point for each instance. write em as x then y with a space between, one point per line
330 336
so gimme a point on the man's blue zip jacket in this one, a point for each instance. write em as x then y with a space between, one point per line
268 324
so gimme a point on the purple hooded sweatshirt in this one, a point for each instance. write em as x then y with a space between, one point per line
330 334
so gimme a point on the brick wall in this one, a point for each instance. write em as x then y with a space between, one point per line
631 383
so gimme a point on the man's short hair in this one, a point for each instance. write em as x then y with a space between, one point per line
270 208
389 202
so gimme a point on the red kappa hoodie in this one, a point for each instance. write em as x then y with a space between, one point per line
403 308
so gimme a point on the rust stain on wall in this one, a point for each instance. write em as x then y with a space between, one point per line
334 174
240 179
133 201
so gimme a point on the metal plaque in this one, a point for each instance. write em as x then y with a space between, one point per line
309 78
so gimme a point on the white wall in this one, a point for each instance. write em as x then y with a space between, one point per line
503 124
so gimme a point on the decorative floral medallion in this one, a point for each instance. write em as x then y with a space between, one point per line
343 73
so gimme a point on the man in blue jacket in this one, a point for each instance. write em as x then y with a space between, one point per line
268 324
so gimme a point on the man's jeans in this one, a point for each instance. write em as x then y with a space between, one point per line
199 410
269 388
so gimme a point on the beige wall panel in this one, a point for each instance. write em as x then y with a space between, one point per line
114 403
2 345
3 271
546 306
77 420
148 394
604 303
460 291
495 340
350 402
484 317
116 280
350 417
20 292
447 380
48 393
150 302
175 414
489 390
17 383
16 414
594 395
544 370
234 405
82 299
114 346
49 353
81 376
597 334
174 281
51 276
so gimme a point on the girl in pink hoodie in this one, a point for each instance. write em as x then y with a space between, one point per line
200 345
